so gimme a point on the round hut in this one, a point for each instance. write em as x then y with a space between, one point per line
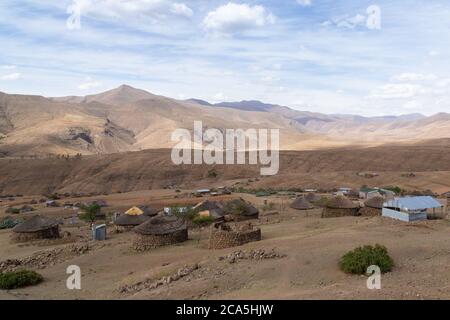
372 207
226 235
340 206
211 209
160 231
301 204
240 210
130 219
37 227
149 211
312 197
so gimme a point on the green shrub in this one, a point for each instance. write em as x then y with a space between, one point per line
9 223
12 210
212 173
395 189
19 279
358 260
202 220
90 212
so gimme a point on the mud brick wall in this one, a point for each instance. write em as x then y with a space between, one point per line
51 233
220 239
369 212
148 242
333 213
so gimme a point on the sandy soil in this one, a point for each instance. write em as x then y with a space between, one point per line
312 247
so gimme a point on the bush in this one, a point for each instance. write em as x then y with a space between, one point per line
12 211
395 189
202 220
9 223
19 279
90 212
212 173
358 260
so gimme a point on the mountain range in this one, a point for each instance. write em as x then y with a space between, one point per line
129 119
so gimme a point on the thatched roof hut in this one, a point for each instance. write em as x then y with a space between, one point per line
301 204
159 231
240 210
312 197
373 207
134 211
142 210
375 202
149 211
128 221
340 206
225 235
213 208
341 202
37 227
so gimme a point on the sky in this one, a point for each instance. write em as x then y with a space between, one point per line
331 56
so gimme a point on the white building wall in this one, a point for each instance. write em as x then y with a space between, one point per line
403 216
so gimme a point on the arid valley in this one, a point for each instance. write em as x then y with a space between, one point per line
91 151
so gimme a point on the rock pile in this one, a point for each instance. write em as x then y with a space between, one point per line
41 260
256 254
150 284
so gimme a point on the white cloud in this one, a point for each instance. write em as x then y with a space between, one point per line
232 17
121 9
218 97
443 83
11 76
412 105
412 77
304 3
434 53
8 67
89 84
182 10
397 91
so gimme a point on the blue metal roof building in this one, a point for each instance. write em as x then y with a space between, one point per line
410 208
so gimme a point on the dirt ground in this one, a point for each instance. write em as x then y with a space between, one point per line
303 265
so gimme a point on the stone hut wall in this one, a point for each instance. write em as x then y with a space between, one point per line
369 212
121 229
51 233
221 239
148 242
240 217
335 213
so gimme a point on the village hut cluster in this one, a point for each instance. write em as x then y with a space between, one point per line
231 220
134 217
370 202
36 228
153 229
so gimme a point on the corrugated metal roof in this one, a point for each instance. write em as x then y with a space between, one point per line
413 203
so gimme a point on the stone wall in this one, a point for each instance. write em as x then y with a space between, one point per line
121 229
148 242
52 233
241 217
369 212
334 213
225 236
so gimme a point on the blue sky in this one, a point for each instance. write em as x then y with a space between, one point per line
316 55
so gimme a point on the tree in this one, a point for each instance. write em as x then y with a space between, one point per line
90 212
